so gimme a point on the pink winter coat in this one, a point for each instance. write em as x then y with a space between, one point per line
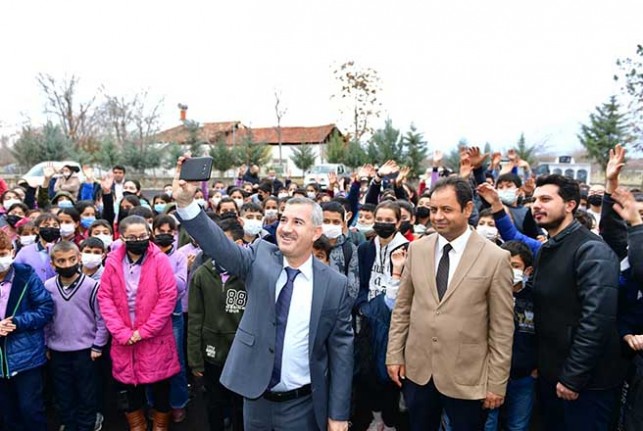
155 357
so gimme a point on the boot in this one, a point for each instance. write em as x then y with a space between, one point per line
136 421
161 421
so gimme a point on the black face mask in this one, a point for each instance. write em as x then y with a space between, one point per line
49 234
422 212
595 200
68 272
129 194
405 226
384 230
137 247
164 239
12 219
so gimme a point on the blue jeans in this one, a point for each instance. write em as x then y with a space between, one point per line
179 395
515 413
21 401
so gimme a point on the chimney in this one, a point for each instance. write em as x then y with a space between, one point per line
184 110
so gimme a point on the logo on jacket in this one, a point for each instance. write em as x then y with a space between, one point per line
235 301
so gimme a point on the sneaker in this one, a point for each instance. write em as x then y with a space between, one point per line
376 425
388 428
99 422
178 415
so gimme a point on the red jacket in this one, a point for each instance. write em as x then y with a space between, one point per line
154 358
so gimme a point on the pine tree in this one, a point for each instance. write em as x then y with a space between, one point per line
388 144
607 127
416 151
336 149
222 157
526 152
303 157
355 155
251 153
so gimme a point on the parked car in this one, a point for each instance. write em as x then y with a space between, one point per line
319 173
35 176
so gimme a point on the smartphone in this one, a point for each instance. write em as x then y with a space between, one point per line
196 169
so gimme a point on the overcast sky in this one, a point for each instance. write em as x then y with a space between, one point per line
480 70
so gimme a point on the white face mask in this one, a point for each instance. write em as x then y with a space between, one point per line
332 231
364 228
27 239
271 213
67 229
5 263
9 202
491 233
518 276
507 196
419 229
215 201
239 203
311 195
201 202
107 239
252 226
282 195
91 260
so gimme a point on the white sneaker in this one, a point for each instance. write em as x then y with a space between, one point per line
99 422
376 426
388 428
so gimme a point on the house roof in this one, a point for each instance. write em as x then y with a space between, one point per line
209 132
289 135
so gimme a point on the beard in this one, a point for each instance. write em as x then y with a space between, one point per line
552 224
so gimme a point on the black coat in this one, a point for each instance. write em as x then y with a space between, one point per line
575 288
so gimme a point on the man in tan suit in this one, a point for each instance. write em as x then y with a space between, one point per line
452 326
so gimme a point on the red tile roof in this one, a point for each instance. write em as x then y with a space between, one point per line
289 135
209 132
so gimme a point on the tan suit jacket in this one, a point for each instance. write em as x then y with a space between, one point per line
463 342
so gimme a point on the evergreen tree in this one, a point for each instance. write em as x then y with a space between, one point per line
35 146
607 127
388 143
355 155
303 156
526 152
452 159
251 153
336 149
416 151
222 157
140 157
194 141
109 155
173 151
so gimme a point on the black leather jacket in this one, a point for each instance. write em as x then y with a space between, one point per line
575 287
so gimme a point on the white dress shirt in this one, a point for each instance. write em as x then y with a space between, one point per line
295 367
458 244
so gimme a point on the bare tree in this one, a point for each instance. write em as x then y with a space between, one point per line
132 119
358 92
279 112
78 120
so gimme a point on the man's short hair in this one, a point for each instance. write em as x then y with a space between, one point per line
462 187
93 242
120 168
251 207
568 189
317 215
509 178
232 226
334 207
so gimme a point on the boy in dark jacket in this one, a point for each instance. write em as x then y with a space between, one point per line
216 304
25 308
515 414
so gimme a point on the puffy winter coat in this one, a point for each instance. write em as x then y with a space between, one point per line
154 358
32 308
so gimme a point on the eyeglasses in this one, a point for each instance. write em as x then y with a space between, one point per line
136 238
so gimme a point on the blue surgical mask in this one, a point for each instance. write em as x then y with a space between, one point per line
86 222
160 208
65 204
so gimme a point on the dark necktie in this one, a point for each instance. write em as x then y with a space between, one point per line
281 312
442 276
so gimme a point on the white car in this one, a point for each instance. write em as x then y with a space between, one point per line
35 176
319 173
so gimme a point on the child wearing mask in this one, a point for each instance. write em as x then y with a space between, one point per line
69 222
37 255
252 221
164 234
487 226
27 234
75 338
216 306
25 308
92 255
102 230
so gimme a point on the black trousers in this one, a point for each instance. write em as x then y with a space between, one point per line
426 403
75 380
218 398
133 397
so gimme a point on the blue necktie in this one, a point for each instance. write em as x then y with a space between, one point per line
281 312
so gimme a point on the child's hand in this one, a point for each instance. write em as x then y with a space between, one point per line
95 354
7 326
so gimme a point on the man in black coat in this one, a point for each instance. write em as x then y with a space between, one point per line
575 287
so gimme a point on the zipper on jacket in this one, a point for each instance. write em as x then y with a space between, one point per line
6 356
